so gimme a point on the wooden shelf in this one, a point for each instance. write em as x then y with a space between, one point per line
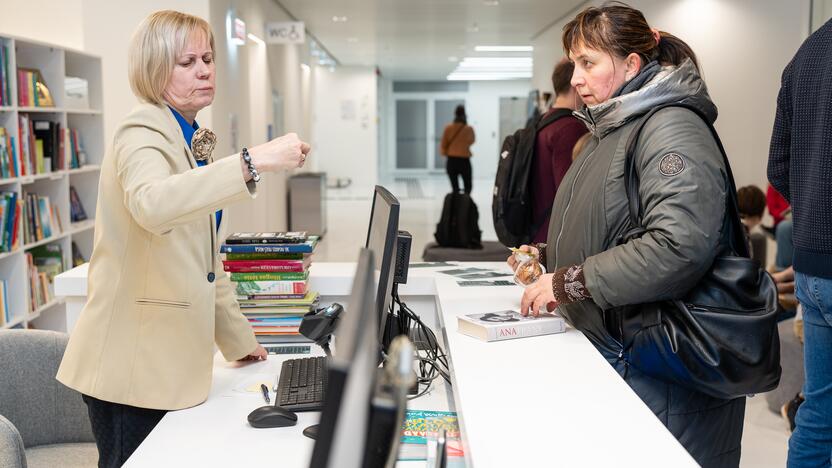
44 241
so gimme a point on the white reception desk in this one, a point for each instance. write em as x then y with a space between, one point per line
542 401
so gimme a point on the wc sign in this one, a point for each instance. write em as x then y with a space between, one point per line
292 32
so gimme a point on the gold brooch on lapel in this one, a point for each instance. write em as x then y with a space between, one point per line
202 144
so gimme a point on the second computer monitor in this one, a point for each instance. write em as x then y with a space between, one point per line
381 239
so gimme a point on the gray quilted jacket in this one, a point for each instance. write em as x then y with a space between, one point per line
682 187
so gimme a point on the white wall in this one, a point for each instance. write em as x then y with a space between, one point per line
346 147
482 105
742 45
55 22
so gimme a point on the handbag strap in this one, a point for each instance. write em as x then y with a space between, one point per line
631 180
456 134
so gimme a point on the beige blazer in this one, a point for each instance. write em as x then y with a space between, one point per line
158 298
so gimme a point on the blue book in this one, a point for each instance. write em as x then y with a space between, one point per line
305 247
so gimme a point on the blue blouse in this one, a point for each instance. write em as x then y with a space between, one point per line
188 131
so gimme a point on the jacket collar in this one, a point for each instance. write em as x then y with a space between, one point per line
654 86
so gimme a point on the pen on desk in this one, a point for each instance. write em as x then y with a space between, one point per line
265 393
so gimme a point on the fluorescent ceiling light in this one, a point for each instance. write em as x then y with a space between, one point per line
256 39
339 19
503 48
492 68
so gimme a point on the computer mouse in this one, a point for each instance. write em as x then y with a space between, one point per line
272 416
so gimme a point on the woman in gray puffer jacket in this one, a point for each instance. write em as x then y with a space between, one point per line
623 69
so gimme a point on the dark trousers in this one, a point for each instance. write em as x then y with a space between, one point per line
459 167
119 429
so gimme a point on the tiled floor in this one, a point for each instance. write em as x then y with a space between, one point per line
765 435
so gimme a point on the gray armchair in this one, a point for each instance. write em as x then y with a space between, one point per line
42 422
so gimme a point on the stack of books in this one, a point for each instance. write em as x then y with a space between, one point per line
10 208
270 271
41 219
9 164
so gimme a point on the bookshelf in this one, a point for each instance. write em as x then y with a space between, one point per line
55 64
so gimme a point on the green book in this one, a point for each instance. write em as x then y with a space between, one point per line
270 276
264 256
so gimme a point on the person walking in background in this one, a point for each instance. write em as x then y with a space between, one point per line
799 169
456 146
553 148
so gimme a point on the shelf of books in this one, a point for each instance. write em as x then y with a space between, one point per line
270 272
51 148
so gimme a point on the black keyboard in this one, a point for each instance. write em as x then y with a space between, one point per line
301 384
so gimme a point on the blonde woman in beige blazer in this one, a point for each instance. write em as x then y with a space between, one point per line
158 297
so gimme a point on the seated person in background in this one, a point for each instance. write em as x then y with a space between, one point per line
751 202
781 211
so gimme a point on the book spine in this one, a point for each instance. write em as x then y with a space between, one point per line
271 287
264 256
253 248
283 276
509 332
255 267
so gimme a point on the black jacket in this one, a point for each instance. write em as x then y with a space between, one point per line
800 157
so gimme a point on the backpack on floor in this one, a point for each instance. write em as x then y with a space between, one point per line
511 206
459 224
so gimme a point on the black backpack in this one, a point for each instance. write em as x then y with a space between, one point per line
511 206
459 224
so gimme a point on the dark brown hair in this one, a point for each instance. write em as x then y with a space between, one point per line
751 201
562 76
621 30
459 115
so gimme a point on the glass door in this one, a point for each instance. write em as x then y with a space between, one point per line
420 121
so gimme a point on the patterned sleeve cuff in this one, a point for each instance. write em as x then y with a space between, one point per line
569 285
541 249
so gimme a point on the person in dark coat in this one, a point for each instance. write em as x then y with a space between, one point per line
800 168
624 69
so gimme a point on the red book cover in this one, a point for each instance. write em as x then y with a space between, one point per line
16 224
242 266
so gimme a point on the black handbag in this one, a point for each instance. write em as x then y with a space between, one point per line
721 337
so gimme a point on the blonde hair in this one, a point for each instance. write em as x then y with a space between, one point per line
160 38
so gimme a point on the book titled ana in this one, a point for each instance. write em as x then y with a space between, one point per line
509 324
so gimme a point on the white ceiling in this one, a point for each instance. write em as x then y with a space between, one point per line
413 39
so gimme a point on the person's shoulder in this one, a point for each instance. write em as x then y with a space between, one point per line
148 116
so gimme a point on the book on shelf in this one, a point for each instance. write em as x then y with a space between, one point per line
41 220
293 298
44 263
9 165
9 221
5 88
303 247
5 316
509 324
292 237
74 149
266 266
76 208
77 257
32 90
49 144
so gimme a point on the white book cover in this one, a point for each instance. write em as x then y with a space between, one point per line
509 324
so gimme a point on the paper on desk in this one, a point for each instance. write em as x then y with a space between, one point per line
251 384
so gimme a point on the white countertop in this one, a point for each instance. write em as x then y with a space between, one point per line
549 400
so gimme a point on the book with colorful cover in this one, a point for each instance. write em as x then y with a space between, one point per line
265 266
270 287
308 298
304 247
274 311
271 276
414 433
266 256
272 297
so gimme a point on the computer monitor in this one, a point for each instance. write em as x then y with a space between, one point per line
351 377
381 239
